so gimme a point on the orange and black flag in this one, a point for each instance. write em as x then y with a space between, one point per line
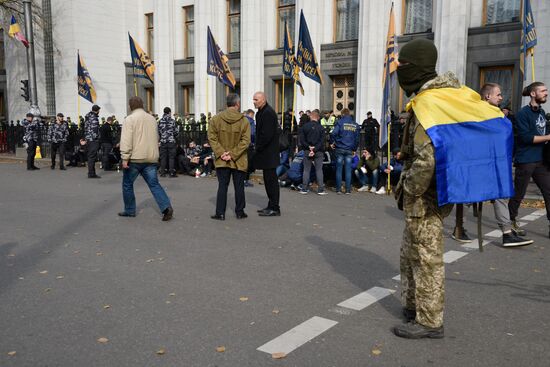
218 63
143 66
85 87
290 68
390 66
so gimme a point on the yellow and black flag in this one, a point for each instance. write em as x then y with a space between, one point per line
390 66
290 68
143 66
218 63
305 55
85 87
528 38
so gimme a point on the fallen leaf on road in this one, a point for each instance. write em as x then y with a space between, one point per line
509 334
102 340
11 255
76 252
220 349
161 352
60 277
376 352
172 294
106 307
12 353
160 259
276 312
243 299
150 260
47 290
536 270
44 272
99 253
491 268
457 272
278 355
168 302
21 278
98 240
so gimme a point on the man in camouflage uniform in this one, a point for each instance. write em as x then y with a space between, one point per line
91 134
32 125
421 259
167 142
57 136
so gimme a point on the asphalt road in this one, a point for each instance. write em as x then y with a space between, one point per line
72 272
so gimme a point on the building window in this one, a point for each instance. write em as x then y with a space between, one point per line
189 31
150 36
347 20
150 99
501 11
343 93
289 94
189 100
286 13
417 16
503 76
234 25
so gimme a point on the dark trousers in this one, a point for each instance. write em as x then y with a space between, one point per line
524 172
224 175
106 149
31 152
58 148
93 147
167 152
271 188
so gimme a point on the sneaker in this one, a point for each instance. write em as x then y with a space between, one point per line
303 192
413 330
373 190
517 230
381 191
348 192
293 187
167 214
363 188
511 240
322 192
203 174
459 234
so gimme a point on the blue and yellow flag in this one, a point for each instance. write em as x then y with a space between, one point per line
15 32
528 35
390 66
85 87
473 145
218 63
305 55
290 69
143 66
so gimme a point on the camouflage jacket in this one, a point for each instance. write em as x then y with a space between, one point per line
417 182
167 130
91 126
58 133
31 129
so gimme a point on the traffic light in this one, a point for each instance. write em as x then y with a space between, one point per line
25 89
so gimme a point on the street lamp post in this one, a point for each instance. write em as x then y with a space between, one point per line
31 65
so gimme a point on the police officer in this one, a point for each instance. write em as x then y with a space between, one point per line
167 142
57 136
91 134
30 138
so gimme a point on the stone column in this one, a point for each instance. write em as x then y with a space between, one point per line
164 55
252 50
451 22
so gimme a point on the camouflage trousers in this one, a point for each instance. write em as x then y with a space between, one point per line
422 268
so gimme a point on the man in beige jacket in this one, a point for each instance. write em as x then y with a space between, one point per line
140 154
229 136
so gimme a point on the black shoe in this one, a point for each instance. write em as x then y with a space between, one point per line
459 234
409 315
517 230
163 175
173 175
242 215
62 169
52 167
262 210
218 217
270 213
35 168
94 176
167 214
413 330
125 214
511 240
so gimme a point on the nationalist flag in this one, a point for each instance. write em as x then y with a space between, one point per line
85 87
290 69
528 35
390 66
473 144
143 66
218 63
305 56
15 32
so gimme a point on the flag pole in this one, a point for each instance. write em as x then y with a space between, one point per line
388 166
206 113
533 64
77 110
283 104
293 108
135 87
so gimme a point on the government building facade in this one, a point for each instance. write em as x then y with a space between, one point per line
479 40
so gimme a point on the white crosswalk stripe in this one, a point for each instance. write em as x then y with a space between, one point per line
366 298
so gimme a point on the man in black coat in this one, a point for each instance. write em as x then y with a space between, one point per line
266 156
371 127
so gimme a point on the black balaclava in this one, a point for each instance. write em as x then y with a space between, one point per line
420 57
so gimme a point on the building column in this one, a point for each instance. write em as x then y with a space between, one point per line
164 55
252 50
451 23
373 29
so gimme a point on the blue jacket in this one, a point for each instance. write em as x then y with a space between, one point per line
346 134
296 170
397 166
528 125
252 131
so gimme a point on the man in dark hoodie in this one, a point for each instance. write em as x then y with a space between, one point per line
229 137
344 139
312 143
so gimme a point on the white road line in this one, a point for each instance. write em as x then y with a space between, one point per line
298 336
495 233
366 298
474 244
397 277
452 256
531 217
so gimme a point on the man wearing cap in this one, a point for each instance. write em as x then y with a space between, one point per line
91 134
30 138
57 136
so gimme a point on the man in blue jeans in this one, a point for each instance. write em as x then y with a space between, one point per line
344 139
140 154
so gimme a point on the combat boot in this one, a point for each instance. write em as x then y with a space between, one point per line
517 230
413 330
409 314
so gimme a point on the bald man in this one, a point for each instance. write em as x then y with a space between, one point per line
266 155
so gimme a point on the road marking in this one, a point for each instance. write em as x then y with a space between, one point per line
366 298
342 311
532 216
397 277
452 256
495 233
298 336
474 244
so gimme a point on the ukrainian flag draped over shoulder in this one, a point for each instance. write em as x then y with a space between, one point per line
473 145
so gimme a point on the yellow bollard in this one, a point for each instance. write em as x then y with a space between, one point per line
38 155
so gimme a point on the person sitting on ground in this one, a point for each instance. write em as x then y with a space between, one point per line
368 170
207 160
283 164
394 170
191 161
294 175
